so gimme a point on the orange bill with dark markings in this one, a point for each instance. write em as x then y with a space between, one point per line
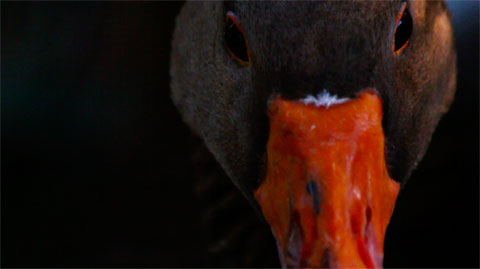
327 194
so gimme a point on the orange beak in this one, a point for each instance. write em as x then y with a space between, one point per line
327 194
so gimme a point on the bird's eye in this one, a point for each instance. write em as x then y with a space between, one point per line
235 41
403 30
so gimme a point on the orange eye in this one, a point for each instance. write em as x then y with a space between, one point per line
403 30
235 41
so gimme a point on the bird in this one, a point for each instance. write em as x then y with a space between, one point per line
317 111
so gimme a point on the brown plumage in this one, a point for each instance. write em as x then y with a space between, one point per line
299 48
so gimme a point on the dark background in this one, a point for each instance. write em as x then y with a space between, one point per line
95 167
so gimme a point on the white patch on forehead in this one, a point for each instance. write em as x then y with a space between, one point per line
323 98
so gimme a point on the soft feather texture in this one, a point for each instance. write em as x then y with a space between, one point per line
297 49
342 46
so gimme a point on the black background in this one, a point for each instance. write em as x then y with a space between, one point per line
95 167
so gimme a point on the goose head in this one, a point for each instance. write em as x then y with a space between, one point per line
317 111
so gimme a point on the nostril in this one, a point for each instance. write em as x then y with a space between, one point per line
295 241
326 261
357 221
368 213
312 190
368 219
368 246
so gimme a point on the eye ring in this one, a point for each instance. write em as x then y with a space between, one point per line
235 41
403 30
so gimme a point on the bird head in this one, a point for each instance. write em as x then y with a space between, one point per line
317 111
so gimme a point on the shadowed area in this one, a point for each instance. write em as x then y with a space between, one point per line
96 162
